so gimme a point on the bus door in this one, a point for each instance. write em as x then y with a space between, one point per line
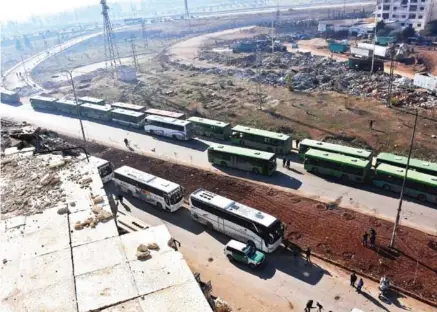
221 225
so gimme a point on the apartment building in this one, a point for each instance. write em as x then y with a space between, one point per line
416 13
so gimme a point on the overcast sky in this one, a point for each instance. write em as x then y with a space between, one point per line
23 9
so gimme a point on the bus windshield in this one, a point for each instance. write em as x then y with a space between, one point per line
249 250
272 162
274 232
176 196
105 170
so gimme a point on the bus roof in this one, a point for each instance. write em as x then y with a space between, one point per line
8 92
97 161
347 160
401 160
147 178
234 207
66 102
103 108
160 112
263 133
168 120
337 148
43 98
128 112
412 175
92 100
209 122
128 106
242 151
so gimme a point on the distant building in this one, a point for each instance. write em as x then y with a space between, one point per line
353 26
126 73
415 13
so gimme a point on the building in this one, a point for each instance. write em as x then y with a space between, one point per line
415 13
353 26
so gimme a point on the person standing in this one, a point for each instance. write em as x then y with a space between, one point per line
371 124
309 306
372 237
284 161
319 307
360 285
308 255
365 237
120 198
353 279
297 144
288 163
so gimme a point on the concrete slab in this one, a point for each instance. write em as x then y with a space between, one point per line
45 233
157 234
105 287
89 235
79 205
13 233
45 270
98 255
15 222
9 273
184 297
54 298
11 249
129 306
161 271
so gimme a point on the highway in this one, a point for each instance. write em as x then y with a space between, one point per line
366 199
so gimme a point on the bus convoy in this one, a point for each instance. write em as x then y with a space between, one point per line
257 149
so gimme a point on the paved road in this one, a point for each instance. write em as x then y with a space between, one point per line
367 199
284 283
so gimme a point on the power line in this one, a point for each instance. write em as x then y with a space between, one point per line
111 50
143 33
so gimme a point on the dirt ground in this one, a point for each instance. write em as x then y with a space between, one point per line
334 233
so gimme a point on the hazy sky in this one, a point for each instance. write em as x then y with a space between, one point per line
22 9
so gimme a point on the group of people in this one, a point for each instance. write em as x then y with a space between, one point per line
309 306
354 280
372 238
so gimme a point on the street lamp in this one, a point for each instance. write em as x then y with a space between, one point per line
70 73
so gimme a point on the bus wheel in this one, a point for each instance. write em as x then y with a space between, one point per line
250 242
421 197
223 163
315 170
230 258
209 226
174 136
344 178
386 187
242 143
255 170
252 266
158 205
269 149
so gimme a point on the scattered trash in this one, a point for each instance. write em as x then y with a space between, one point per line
143 252
153 246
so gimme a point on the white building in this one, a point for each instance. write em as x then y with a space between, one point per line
415 13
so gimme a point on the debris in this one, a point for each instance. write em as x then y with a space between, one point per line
221 305
56 164
97 209
78 226
63 210
5 261
97 199
104 216
86 180
143 252
153 246
142 248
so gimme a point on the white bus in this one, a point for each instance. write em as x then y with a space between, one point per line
169 127
236 220
154 190
106 168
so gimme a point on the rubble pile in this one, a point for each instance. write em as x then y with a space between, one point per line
307 72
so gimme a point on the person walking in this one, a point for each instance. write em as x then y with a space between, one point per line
371 124
297 144
288 163
309 306
126 142
120 198
308 255
372 237
365 237
319 307
360 285
284 161
353 279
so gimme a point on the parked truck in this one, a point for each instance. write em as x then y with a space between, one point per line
428 82
365 64
337 47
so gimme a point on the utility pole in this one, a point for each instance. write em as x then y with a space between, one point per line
391 74
134 52
143 33
111 50
187 12
398 215
70 73
374 46
258 76
273 36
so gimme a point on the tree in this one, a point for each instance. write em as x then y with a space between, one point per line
27 42
18 44
408 32
380 25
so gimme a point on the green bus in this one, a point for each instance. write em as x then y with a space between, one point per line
242 158
340 166
43 102
419 185
67 106
91 100
261 139
401 161
211 128
307 144
100 112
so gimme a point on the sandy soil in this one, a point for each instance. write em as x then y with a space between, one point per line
333 233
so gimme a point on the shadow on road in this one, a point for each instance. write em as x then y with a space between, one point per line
278 178
374 301
16 104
